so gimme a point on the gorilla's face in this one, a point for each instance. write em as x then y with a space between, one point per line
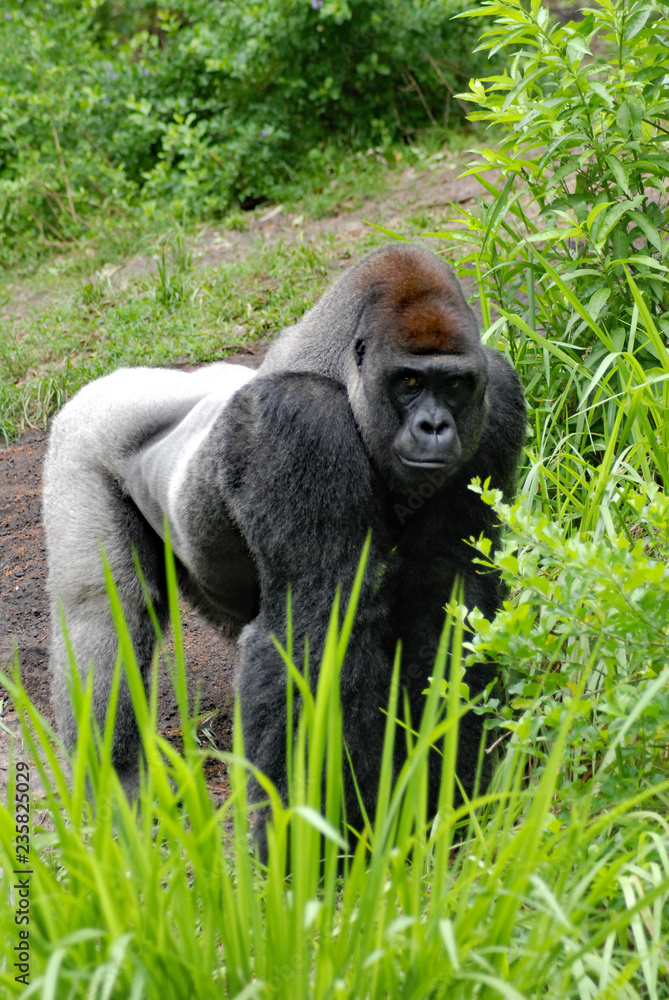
431 396
434 411
420 397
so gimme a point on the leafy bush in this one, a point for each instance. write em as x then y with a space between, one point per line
194 103
55 164
585 108
589 623
570 256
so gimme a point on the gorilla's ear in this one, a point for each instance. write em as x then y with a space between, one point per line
359 350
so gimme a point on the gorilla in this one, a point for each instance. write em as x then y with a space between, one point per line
373 412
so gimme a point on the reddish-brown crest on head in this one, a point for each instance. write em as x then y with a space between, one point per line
421 299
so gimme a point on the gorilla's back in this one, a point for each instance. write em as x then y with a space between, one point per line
134 432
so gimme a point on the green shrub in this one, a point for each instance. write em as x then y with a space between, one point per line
589 623
192 104
506 896
570 255
55 164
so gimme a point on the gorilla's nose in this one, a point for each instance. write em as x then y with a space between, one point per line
433 425
433 429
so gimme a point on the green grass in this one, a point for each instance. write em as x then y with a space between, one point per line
501 897
179 315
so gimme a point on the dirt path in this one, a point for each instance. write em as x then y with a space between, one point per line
24 617
428 193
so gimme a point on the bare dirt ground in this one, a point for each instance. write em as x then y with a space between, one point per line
24 615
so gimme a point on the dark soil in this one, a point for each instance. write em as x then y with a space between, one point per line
24 616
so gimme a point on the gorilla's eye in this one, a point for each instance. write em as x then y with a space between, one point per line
410 381
453 383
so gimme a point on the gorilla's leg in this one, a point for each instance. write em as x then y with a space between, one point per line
86 500
85 511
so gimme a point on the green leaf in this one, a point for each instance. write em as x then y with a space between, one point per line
630 113
477 92
647 131
644 260
647 320
636 23
319 823
624 118
600 89
598 300
637 108
649 230
620 242
500 207
596 378
577 48
613 216
619 171
595 211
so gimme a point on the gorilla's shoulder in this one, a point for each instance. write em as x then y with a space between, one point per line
507 410
298 425
281 391
296 406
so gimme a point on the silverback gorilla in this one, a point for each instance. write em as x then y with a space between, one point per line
374 411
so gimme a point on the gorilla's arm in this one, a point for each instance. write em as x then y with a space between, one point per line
499 450
289 461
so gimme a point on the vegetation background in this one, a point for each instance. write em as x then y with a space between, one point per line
126 125
114 108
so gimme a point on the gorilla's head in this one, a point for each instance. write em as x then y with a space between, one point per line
418 391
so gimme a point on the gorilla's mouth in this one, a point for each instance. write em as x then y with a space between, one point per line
423 463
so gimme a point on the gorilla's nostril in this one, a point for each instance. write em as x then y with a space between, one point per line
433 427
